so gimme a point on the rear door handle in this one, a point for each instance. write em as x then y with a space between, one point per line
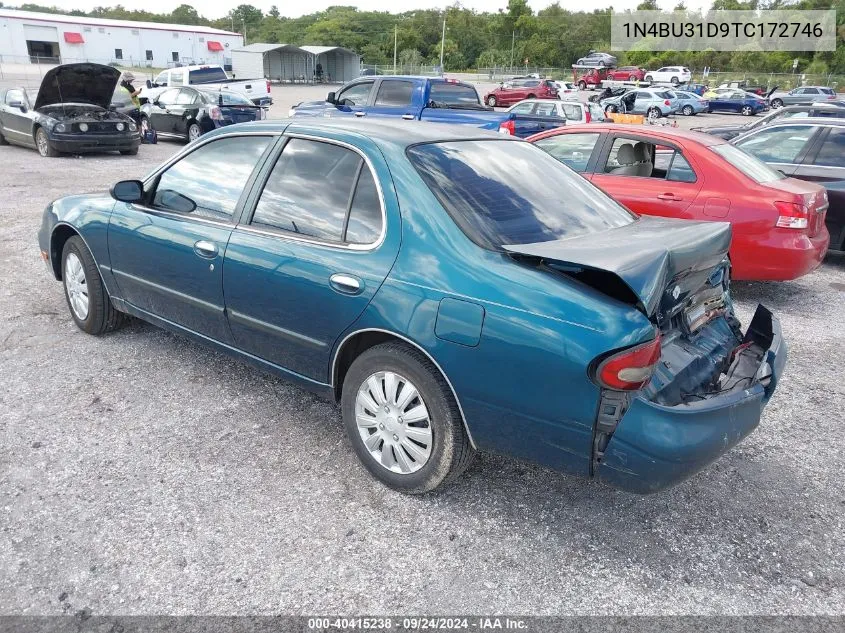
669 196
360 113
205 249
347 284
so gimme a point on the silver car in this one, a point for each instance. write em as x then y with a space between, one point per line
599 60
804 95
652 103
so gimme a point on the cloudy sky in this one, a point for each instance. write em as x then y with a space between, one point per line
218 8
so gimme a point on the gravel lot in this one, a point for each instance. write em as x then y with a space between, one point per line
144 474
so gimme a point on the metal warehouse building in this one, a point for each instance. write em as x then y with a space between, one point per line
29 37
288 63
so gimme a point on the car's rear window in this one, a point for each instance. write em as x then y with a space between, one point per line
749 165
206 75
508 192
453 94
827 91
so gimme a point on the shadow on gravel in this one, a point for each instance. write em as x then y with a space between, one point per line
775 295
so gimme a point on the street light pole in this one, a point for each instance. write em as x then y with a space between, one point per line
395 39
442 43
513 41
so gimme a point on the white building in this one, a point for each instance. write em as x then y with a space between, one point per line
27 36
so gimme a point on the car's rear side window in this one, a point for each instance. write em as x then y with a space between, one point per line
749 165
394 92
508 192
833 149
453 94
322 191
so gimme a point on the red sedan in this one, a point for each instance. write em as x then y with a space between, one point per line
778 222
519 89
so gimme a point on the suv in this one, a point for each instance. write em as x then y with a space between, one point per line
673 74
519 89
802 95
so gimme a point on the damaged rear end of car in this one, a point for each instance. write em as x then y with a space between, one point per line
672 404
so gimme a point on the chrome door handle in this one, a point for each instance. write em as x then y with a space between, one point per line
205 249
346 284
408 117
360 113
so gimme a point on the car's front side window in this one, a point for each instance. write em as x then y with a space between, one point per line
209 181
320 190
357 94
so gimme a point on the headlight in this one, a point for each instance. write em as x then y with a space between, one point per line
133 127
120 127
83 127
61 127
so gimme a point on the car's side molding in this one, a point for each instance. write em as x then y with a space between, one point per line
417 346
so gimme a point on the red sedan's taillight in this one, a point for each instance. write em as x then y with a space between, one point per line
507 127
268 86
630 369
792 215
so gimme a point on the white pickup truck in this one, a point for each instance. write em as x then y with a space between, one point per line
212 78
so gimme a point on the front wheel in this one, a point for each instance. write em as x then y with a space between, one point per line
194 132
632 78
89 303
687 110
777 103
582 85
653 114
491 101
747 110
611 108
402 419
42 142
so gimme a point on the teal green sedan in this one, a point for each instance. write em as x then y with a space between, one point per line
453 290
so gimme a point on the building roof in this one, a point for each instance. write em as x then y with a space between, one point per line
262 48
312 50
319 50
32 16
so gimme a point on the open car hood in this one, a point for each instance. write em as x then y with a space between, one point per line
661 260
78 83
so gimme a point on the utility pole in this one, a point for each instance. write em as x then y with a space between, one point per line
244 23
395 39
513 41
443 43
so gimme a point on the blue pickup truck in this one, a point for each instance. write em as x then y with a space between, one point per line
437 100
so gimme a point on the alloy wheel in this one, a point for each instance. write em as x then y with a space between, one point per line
43 142
194 132
77 286
747 111
688 110
393 422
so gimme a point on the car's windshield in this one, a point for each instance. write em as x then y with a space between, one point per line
226 98
206 75
453 94
507 192
749 165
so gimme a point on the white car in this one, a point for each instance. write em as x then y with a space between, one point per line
669 74
207 77
566 91
572 111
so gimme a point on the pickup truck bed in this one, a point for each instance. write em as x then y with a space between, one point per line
423 99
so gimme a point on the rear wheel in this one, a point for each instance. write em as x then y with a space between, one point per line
777 103
747 110
402 419
611 108
687 110
675 81
531 97
89 303
491 101
632 77
42 142
653 113
194 132
649 78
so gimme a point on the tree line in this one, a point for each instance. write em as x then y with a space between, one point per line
512 37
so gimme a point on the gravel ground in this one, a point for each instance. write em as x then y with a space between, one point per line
144 474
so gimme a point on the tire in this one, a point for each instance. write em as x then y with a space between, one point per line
491 101
632 77
129 152
777 103
675 81
42 143
3 140
99 315
194 131
688 110
611 108
448 446
531 97
653 113
649 78
582 85
747 111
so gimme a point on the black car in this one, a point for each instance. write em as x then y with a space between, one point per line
188 113
70 113
808 149
818 110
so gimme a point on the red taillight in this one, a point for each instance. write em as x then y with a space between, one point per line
587 116
507 127
831 97
667 102
792 215
268 86
215 114
630 369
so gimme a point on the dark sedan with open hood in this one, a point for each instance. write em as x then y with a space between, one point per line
71 113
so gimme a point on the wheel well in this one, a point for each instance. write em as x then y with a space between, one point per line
352 349
61 234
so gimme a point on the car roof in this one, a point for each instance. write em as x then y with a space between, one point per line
813 120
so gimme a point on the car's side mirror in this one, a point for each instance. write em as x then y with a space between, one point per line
149 84
331 98
19 105
128 191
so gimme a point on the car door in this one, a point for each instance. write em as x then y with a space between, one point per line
658 180
394 98
353 99
824 164
782 146
161 119
642 102
318 240
16 117
185 108
167 253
